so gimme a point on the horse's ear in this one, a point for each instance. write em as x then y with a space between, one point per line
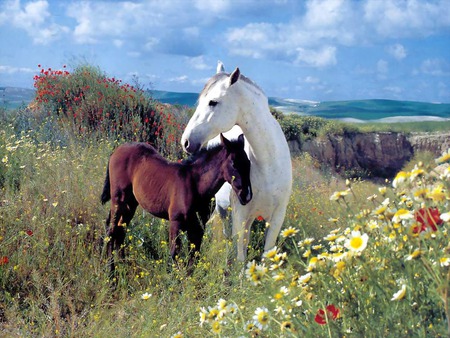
220 67
234 76
241 140
224 141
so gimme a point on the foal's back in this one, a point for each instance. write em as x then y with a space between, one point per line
139 172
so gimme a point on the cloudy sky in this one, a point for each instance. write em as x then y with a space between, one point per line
317 50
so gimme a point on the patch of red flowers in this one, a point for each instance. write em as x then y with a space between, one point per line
427 218
332 313
4 260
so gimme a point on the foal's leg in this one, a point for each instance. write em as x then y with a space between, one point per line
127 212
174 238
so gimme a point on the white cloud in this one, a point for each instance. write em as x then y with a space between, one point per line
393 18
325 56
435 67
198 62
15 70
397 51
34 18
311 79
179 79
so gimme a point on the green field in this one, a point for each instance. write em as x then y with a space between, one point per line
354 258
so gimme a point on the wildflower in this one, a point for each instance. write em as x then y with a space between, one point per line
416 253
382 190
416 172
4 260
445 216
203 316
427 217
146 296
421 193
261 317
400 178
337 195
357 242
305 278
305 242
437 194
400 294
216 327
331 237
444 261
402 214
29 232
444 158
286 326
332 312
255 273
178 335
289 232
271 253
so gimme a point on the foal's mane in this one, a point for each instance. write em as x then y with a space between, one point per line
202 154
205 153
219 76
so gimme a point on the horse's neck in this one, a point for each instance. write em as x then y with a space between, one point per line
208 176
263 133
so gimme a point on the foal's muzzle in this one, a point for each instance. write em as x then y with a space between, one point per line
245 195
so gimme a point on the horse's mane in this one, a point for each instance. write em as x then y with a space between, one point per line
219 76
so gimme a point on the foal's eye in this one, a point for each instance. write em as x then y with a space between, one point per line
213 103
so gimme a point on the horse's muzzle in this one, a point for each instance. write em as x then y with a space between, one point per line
191 147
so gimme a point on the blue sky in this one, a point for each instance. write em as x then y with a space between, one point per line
316 50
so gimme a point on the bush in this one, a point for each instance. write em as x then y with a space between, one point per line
86 101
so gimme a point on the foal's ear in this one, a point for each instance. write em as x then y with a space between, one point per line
234 76
241 140
224 141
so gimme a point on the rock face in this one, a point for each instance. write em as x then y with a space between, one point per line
371 154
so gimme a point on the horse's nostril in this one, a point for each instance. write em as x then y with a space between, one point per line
186 144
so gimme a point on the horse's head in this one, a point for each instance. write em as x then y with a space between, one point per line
216 112
236 168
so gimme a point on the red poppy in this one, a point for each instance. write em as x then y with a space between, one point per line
332 313
4 260
29 232
260 218
427 217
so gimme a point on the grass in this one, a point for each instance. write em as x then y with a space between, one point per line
352 259
56 282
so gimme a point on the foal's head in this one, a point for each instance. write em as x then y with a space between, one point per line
236 168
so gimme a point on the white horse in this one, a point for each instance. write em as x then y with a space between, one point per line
229 100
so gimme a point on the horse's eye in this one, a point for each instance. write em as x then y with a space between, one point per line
213 103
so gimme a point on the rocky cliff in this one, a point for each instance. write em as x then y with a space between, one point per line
371 154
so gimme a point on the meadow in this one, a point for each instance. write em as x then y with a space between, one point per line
354 258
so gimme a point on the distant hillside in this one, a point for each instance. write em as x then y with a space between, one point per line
355 111
13 97
184 99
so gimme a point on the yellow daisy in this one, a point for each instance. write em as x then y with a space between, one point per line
261 317
400 294
357 241
402 214
289 232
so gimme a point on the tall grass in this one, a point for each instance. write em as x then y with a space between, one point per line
354 258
